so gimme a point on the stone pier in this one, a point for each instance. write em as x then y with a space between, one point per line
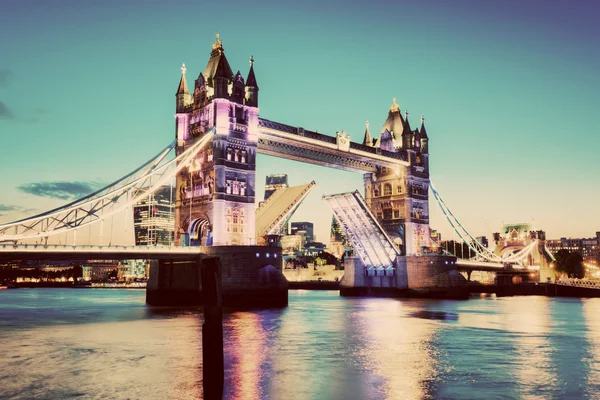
251 277
429 276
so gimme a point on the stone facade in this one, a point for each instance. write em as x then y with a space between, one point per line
215 194
399 197
251 277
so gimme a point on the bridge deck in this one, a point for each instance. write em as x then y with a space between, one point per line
83 252
296 143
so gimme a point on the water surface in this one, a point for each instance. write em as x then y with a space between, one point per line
107 344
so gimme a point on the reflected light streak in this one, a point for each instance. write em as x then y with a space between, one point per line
528 318
247 348
399 350
591 312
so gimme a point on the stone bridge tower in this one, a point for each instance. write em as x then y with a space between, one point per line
215 195
399 198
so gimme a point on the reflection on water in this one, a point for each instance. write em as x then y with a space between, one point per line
591 312
527 319
245 345
106 344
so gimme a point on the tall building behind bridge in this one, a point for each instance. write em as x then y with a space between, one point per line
304 229
154 218
274 182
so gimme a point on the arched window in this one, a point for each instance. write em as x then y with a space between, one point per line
376 193
387 189
398 189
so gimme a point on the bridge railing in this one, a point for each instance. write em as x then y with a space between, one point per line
582 283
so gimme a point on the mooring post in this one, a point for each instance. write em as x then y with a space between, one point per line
212 329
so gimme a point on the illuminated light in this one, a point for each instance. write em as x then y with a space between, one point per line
268 255
446 262
257 254
275 255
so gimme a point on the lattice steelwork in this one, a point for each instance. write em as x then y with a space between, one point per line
279 207
368 238
112 199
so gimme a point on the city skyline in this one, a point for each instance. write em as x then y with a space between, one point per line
522 132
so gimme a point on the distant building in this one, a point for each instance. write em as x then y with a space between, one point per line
133 269
483 240
274 182
305 229
153 218
99 270
589 248
314 248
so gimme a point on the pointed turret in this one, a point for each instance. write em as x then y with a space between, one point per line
407 135
217 58
423 136
221 78
251 86
394 123
368 140
183 94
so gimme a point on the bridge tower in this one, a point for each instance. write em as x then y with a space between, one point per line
215 194
399 198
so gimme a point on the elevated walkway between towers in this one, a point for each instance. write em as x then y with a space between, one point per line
370 241
272 215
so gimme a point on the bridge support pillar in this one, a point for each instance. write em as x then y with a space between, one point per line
251 277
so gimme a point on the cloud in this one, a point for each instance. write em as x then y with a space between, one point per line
5 112
60 190
7 207
5 77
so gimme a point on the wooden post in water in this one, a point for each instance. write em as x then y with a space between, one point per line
212 329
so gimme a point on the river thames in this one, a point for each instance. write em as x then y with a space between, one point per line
107 344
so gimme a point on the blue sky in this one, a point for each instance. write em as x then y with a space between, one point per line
509 91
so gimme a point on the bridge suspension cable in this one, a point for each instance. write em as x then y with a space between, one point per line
483 253
460 230
106 202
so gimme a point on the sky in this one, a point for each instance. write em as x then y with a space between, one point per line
509 91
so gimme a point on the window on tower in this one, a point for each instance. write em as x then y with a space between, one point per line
387 189
229 154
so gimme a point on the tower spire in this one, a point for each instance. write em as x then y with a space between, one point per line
251 86
183 88
368 140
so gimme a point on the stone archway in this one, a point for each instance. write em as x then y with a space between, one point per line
199 232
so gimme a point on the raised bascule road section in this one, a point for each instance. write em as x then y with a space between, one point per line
210 168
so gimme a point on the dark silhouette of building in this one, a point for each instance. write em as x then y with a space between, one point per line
305 229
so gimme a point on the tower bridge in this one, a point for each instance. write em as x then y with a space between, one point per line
213 162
